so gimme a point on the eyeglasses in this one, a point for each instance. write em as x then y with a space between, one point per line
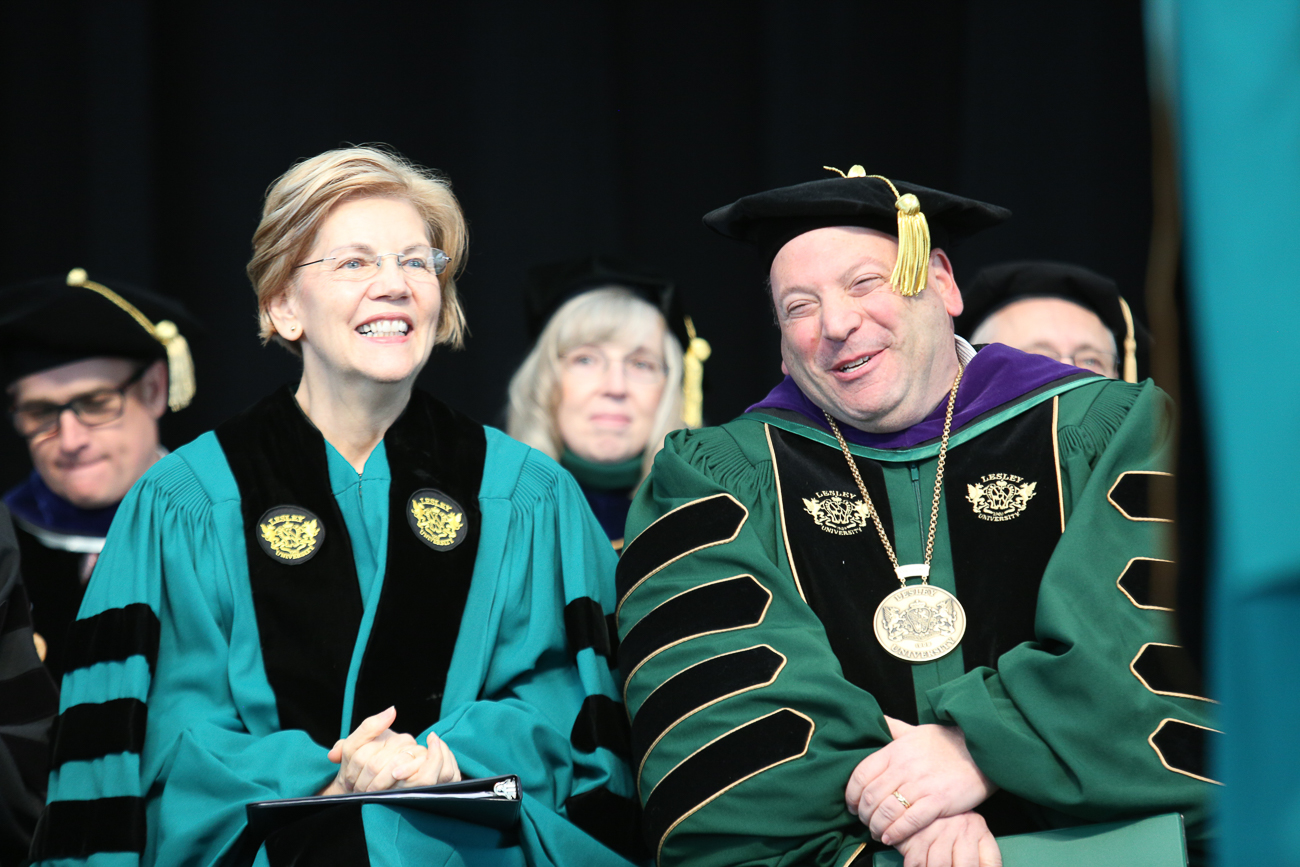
1089 359
37 417
592 363
418 264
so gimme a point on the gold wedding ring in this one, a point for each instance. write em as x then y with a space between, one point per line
906 803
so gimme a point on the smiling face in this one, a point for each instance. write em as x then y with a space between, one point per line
382 329
867 355
93 467
609 394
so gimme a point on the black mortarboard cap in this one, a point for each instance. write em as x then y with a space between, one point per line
999 285
551 284
770 219
52 321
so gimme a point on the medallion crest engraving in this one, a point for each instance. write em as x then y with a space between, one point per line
920 623
1000 496
837 512
436 519
290 534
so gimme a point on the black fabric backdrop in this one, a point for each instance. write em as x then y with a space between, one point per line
139 139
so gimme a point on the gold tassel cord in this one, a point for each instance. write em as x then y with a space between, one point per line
1130 343
697 352
911 269
180 364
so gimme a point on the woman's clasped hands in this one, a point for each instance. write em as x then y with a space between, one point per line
375 758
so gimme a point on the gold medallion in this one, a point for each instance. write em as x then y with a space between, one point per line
290 534
436 519
920 623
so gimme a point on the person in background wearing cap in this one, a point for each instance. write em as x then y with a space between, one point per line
1054 309
915 580
615 366
348 588
86 368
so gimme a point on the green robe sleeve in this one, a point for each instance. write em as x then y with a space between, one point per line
1067 721
520 697
753 771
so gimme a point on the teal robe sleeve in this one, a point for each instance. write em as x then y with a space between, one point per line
171 663
525 694
173 666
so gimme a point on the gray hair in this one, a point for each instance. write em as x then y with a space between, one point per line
594 316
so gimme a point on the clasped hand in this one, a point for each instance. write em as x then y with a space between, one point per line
374 758
929 766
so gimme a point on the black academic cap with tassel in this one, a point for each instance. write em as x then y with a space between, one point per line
918 216
53 321
551 284
997 286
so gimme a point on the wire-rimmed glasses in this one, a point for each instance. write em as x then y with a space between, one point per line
421 263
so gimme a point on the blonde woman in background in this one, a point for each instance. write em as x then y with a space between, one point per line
603 384
348 588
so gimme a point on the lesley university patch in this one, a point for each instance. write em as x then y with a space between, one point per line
436 519
290 534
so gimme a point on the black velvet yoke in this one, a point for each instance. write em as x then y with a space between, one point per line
309 612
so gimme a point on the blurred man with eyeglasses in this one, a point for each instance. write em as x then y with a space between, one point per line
86 372
1058 310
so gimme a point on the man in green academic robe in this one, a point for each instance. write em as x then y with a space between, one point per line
918 597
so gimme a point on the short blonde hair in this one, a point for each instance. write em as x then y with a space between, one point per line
298 202
594 316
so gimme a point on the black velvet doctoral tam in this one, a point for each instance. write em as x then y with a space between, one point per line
997 286
770 219
46 323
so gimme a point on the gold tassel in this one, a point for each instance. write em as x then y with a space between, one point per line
697 352
180 364
1130 343
911 268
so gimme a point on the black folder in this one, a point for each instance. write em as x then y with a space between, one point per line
491 801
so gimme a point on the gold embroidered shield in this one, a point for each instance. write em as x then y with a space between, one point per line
290 534
1000 496
436 519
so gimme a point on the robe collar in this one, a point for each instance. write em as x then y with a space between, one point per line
56 522
996 375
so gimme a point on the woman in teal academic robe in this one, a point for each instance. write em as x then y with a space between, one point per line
349 587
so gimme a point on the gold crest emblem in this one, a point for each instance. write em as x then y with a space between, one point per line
837 512
1000 496
290 534
436 519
